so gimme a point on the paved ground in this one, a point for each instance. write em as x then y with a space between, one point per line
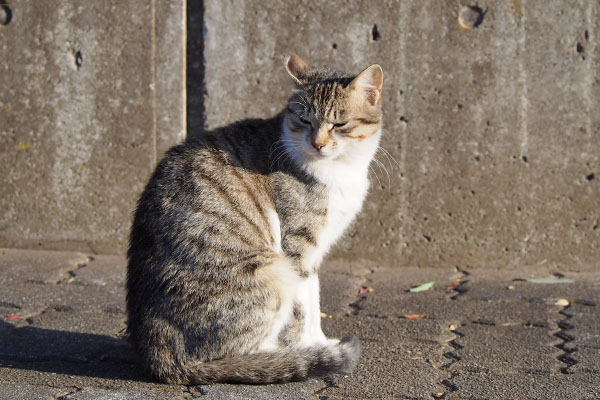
531 333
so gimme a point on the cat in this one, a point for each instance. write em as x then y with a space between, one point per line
230 231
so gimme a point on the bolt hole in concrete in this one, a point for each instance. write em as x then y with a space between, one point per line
78 59
5 14
376 34
470 17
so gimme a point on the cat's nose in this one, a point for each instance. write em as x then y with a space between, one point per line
318 145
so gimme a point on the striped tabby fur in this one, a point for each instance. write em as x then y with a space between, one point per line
229 233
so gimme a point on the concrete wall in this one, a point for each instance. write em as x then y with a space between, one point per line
495 130
91 94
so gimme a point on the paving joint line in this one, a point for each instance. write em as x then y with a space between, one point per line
72 273
566 338
66 396
451 355
329 382
357 305
461 289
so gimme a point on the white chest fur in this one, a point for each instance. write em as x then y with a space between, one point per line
347 188
344 204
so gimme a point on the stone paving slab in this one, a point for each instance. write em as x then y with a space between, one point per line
38 266
29 392
60 333
28 299
483 386
504 349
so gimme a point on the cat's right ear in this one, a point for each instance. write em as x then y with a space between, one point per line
368 84
296 67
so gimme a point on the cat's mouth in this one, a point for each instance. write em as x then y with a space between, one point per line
315 155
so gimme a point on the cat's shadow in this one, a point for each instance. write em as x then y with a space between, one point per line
69 353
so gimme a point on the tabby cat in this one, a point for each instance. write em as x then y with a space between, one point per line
229 233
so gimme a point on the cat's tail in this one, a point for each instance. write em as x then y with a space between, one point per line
282 365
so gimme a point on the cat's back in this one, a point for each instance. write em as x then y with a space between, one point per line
209 192
243 146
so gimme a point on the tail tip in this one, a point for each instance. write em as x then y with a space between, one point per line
351 347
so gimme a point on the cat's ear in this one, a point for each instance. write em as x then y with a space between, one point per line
368 84
296 67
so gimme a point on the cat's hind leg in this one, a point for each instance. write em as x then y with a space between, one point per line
281 277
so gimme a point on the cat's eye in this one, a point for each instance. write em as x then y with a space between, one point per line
304 121
340 125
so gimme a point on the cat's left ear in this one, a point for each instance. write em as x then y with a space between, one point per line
296 67
368 84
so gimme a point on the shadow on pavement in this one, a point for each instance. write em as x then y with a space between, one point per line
64 352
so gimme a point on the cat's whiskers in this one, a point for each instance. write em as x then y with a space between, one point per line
303 105
375 173
277 149
380 164
389 157
282 152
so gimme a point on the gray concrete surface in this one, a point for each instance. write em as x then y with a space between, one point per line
494 130
91 94
485 333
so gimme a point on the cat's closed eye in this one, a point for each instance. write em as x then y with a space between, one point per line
340 125
304 121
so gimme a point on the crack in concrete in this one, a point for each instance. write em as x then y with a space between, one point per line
329 383
449 385
66 396
357 305
28 317
566 356
453 358
460 288
193 392
72 273
8 304
451 355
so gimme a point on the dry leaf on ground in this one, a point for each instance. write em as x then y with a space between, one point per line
413 316
562 302
365 289
422 287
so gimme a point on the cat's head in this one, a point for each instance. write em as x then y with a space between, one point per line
331 114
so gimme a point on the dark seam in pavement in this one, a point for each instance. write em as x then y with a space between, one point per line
66 396
460 288
329 383
449 385
451 355
454 358
193 392
9 305
73 273
356 306
562 334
